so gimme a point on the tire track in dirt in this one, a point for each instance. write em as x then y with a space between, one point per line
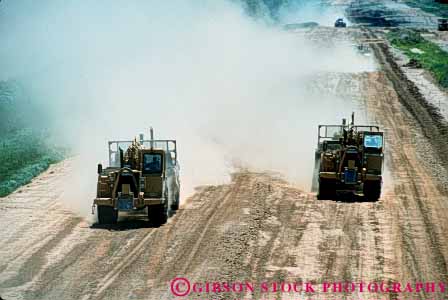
199 260
31 268
416 198
125 262
210 219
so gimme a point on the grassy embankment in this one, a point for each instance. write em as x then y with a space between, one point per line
433 58
430 6
24 151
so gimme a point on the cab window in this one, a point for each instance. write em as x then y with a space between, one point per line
333 146
373 141
152 163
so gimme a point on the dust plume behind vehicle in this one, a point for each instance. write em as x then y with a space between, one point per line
233 90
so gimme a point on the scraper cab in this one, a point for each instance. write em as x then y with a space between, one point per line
141 175
349 159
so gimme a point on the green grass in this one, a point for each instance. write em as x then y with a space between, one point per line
434 59
430 6
24 154
25 150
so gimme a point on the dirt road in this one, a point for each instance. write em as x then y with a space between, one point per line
258 228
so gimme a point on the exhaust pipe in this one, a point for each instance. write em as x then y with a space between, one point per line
151 132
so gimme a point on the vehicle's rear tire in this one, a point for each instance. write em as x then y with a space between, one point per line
327 190
158 214
107 215
175 205
372 190
315 181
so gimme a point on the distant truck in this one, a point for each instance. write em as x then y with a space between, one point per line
141 175
340 23
443 25
349 158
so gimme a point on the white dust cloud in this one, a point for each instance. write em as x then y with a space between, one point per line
228 88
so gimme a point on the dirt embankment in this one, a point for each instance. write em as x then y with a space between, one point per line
389 13
431 122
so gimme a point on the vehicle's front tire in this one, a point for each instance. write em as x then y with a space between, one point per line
107 215
158 214
372 190
327 190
